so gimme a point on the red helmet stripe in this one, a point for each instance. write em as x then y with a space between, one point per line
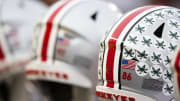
116 34
48 30
2 56
110 63
124 23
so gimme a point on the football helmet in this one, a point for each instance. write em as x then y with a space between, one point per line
65 48
135 56
176 72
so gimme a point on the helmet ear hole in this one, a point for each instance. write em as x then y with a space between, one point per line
94 16
159 31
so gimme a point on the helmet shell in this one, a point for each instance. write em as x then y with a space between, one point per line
66 40
136 53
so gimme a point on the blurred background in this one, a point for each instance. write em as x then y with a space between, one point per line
126 5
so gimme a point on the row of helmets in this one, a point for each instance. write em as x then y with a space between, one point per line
135 52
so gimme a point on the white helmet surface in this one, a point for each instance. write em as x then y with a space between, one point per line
65 45
176 72
16 30
135 55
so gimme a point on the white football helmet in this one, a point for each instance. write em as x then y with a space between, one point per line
135 55
65 47
176 72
